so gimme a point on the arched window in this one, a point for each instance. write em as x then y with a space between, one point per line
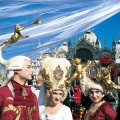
84 55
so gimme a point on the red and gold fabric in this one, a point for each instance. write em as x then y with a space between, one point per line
18 107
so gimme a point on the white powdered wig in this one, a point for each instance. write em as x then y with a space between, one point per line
15 63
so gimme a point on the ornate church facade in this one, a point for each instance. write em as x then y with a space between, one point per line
88 47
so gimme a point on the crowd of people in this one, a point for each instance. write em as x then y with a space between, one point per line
57 99
74 100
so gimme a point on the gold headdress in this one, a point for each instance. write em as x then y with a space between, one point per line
55 73
96 76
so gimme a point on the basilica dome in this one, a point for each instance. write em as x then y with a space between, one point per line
63 47
91 38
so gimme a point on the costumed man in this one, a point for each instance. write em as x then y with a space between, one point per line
17 101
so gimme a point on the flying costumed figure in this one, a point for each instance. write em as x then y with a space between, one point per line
17 34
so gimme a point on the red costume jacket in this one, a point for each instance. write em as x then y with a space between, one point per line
104 112
18 107
77 96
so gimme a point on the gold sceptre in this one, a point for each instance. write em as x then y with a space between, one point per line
17 35
38 21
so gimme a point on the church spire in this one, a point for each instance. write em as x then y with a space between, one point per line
113 44
97 42
114 41
104 43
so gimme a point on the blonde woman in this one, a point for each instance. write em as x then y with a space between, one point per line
55 73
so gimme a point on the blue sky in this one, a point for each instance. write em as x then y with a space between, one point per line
61 20
109 30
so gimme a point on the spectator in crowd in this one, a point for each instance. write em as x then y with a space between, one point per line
77 99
